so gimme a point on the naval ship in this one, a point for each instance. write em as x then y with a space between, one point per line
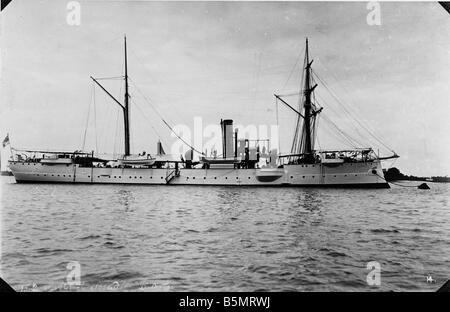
243 162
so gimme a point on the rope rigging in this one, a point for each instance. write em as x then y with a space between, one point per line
349 114
118 112
146 117
347 92
351 140
143 113
163 120
354 142
293 69
95 123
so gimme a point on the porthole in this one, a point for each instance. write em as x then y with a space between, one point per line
237 178
292 177
303 177
114 177
249 178
204 178
215 178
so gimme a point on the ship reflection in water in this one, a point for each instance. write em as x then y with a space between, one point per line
126 199
224 238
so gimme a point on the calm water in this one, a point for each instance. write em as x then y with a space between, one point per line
223 238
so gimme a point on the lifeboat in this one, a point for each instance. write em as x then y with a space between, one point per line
213 160
332 162
56 161
137 161
269 174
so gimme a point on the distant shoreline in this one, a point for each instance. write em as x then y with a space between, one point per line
394 174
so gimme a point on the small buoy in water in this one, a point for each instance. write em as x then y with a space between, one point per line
423 186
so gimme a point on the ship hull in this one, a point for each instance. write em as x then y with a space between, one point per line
358 175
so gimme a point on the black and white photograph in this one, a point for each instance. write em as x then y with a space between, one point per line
224 147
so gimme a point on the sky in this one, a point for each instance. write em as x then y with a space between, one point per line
226 60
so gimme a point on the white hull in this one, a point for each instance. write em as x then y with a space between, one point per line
347 174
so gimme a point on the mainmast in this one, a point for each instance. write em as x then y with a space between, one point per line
307 107
126 109
302 150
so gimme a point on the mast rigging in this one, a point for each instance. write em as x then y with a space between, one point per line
125 107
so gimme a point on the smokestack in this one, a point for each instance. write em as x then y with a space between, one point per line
227 138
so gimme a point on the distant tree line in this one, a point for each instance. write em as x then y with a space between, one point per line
393 174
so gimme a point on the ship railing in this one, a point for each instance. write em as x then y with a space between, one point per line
323 156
